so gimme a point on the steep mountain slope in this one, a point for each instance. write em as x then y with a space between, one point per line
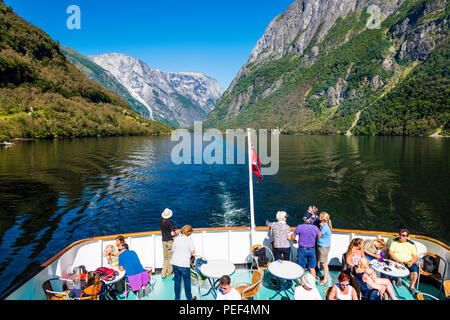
105 78
176 98
322 64
43 95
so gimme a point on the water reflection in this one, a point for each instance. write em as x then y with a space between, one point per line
53 193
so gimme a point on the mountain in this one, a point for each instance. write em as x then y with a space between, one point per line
178 99
345 67
94 72
43 95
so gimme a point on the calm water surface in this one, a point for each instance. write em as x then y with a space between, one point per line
53 193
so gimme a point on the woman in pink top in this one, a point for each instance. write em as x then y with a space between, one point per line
355 252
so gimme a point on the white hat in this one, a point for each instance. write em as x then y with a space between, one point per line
281 215
167 213
309 281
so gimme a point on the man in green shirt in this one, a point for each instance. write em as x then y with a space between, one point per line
404 251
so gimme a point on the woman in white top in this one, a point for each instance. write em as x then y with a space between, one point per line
343 290
183 248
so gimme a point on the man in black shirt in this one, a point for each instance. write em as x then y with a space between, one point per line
168 231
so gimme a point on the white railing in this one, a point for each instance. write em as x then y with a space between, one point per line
229 244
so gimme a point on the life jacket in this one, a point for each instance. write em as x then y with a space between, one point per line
92 290
106 274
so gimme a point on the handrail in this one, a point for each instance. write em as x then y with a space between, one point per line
139 234
158 232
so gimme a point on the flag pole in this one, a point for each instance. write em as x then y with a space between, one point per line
250 176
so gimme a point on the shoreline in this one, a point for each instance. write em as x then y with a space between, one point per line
12 140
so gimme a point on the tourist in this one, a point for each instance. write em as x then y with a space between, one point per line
226 291
323 246
112 252
367 275
307 234
373 248
307 290
343 290
168 231
183 248
129 262
314 217
281 236
354 253
404 251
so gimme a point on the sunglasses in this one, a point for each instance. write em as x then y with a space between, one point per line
403 235
344 284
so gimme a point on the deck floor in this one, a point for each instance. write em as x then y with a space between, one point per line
163 289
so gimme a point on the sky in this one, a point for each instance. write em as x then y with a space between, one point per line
208 36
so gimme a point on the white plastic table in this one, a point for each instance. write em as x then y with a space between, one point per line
285 270
391 269
214 270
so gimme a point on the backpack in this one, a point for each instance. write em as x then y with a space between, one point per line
261 256
106 274
429 264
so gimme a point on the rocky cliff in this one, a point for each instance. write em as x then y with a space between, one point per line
323 63
94 72
175 98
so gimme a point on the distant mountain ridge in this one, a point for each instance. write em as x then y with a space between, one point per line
320 69
94 72
177 99
43 95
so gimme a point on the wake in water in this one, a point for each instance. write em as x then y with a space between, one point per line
231 214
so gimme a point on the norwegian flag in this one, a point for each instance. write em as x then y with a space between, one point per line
256 165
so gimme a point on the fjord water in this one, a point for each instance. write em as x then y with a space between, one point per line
55 192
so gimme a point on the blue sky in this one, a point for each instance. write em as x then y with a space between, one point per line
213 37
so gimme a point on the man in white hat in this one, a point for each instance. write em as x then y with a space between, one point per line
308 290
168 231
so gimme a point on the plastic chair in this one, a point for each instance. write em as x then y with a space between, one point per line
196 274
421 296
327 292
251 290
447 289
434 275
142 292
63 294
51 294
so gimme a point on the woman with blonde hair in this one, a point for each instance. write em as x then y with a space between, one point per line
112 251
314 218
355 252
373 248
368 276
183 248
323 245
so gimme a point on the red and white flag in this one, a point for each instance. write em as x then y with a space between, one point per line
256 165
